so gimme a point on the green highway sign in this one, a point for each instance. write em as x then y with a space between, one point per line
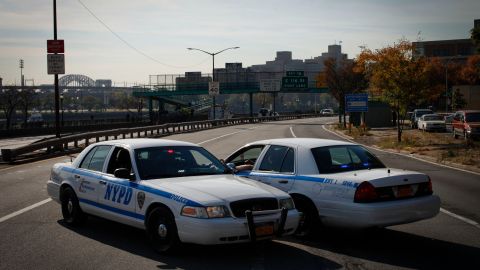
295 82
295 74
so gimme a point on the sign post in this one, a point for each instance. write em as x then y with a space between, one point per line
213 88
357 103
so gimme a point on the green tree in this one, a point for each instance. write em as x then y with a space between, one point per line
9 100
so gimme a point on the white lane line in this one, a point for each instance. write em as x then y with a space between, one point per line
21 211
464 219
291 131
225 135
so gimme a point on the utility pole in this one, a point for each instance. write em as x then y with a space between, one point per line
57 91
21 73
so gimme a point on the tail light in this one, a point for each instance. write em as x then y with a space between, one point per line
365 193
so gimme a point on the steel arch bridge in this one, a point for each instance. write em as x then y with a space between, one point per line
76 80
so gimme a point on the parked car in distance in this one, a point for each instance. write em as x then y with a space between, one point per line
326 112
338 183
466 124
176 191
416 114
263 112
431 122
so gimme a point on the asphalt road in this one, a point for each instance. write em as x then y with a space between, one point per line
38 239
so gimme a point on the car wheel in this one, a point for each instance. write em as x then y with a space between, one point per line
310 220
162 230
71 211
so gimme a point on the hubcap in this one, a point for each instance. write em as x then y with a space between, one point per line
162 230
70 206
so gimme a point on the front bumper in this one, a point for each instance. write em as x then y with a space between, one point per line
233 230
53 190
380 214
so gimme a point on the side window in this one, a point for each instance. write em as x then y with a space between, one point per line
120 158
96 160
288 165
251 154
273 159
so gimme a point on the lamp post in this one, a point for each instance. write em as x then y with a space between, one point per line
61 106
213 68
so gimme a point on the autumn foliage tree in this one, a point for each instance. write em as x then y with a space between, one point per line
343 78
398 77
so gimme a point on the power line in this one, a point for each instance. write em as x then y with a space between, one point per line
133 47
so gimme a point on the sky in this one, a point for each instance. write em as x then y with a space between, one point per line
139 38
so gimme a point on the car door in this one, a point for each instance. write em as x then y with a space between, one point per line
115 194
276 167
88 176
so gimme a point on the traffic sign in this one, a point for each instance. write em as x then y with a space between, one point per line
213 88
294 82
56 63
55 46
295 74
356 102
270 85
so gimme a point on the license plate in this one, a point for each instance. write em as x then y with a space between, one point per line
403 191
264 229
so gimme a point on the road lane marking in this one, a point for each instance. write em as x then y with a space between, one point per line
291 131
464 219
225 135
21 211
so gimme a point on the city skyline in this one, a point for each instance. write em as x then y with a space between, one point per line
157 33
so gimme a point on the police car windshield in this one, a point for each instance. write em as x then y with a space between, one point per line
176 161
343 158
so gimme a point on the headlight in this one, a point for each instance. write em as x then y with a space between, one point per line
205 212
286 203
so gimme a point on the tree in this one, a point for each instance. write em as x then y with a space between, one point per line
342 77
9 100
475 36
470 73
398 77
458 101
27 100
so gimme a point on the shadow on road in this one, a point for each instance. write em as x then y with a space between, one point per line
261 255
396 248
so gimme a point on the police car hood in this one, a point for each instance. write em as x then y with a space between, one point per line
211 189
382 177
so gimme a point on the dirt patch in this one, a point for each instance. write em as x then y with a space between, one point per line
438 147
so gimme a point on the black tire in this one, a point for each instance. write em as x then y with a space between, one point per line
310 222
71 211
162 230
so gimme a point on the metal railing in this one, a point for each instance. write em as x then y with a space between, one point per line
79 141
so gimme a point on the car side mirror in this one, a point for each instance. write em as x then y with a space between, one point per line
123 173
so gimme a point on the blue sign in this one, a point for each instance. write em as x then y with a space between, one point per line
356 102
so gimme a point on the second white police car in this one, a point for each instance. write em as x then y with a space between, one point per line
176 191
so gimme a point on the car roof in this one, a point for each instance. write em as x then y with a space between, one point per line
145 142
305 142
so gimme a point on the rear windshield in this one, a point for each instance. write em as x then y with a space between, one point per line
473 117
344 158
433 117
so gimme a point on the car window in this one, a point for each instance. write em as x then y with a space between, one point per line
96 158
333 159
251 154
473 117
176 161
273 159
120 158
288 165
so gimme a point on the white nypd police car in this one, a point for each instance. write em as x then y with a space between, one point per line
338 183
176 191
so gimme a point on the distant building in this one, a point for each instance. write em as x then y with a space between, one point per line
455 48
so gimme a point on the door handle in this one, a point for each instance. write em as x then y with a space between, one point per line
283 182
102 182
76 176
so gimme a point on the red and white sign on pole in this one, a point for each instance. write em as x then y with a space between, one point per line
55 46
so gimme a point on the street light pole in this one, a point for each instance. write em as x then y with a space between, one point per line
61 106
213 69
57 92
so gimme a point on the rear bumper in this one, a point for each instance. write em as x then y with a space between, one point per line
229 230
381 214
